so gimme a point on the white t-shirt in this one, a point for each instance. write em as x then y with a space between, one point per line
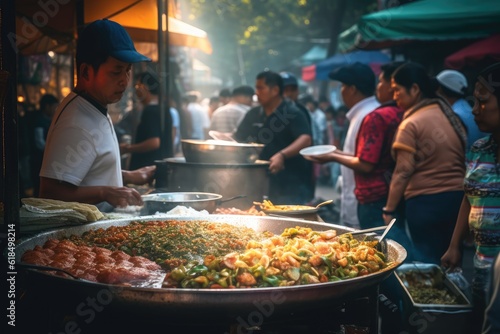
176 123
82 147
200 120
228 117
319 117
349 203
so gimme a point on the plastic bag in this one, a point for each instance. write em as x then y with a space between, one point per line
457 277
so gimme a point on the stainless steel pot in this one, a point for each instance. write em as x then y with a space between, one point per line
164 202
220 151
217 303
228 180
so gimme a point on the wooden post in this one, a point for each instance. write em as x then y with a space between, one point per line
164 73
9 183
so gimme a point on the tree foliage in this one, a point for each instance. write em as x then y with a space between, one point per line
252 35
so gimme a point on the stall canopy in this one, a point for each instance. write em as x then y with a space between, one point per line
471 55
425 20
321 70
39 30
315 54
140 18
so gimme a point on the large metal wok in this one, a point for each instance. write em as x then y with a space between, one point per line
218 303
220 151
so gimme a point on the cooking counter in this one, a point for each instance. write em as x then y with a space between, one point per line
40 311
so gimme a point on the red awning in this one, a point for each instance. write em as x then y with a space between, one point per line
475 52
309 73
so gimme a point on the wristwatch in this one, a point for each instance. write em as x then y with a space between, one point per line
387 212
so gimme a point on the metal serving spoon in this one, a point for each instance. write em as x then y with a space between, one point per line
387 229
324 203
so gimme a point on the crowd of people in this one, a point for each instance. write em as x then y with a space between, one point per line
409 146
427 165
220 116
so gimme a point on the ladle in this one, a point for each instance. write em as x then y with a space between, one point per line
324 203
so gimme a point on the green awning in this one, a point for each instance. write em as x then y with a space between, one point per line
425 20
347 39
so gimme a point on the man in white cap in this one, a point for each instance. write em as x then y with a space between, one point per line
452 86
82 158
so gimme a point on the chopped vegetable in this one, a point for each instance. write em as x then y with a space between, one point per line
216 255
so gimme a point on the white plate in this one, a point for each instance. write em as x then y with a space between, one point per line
317 150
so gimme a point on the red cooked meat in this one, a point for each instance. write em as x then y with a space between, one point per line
142 262
51 243
124 264
66 246
103 251
35 257
122 275
104 259
119 255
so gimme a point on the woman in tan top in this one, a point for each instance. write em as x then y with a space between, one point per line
429 149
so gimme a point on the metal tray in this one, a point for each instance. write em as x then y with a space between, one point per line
464 304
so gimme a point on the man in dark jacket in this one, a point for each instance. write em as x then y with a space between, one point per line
284 130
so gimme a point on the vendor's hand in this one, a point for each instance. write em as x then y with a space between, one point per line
387 218
124 148
277 163
321 159
139 176
452 258
121 196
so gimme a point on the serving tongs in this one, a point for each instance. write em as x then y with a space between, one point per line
382 246
386 230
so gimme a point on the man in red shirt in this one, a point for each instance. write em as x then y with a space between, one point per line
373 165
372 162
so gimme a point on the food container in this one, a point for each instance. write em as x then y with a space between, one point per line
294 211
164 202
430 318
228 180
220 151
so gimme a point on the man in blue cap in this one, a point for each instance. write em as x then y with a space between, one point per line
358 88
82 157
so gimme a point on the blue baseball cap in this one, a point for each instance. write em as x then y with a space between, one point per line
289 79
107 38
356 74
